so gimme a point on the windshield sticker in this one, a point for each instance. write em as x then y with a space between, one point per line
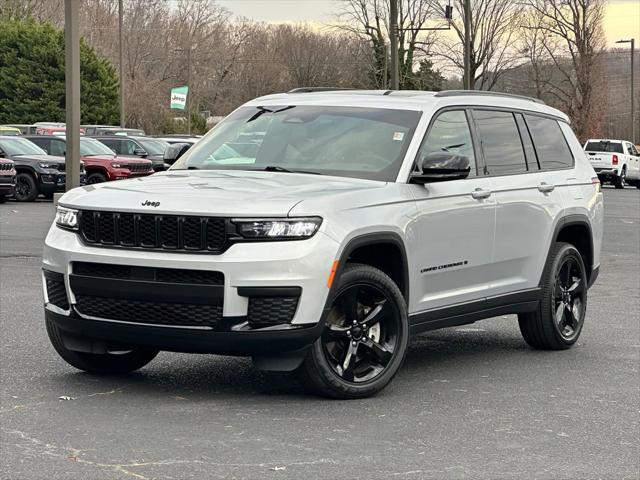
398 136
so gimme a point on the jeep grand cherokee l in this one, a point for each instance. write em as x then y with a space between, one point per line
101 164
37 172
315 231
7 179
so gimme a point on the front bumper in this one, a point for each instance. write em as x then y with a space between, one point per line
250 270
49 183
7 185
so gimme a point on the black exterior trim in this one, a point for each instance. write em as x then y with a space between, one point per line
570 220
269 291
266 342
594 276
469 312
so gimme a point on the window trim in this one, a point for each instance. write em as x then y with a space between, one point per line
474 139
524 154
521 122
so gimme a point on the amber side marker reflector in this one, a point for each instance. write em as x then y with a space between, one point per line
332 275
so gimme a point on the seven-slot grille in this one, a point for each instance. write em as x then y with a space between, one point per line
6 166
138 167
165 232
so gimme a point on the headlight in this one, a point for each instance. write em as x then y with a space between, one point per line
67 218
296 228
116 165
48 165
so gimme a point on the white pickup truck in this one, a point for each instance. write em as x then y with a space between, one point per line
616 161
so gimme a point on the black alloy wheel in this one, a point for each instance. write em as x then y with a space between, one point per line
26 189
365 337
96 178
569 298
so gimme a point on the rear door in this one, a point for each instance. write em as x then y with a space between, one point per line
527 199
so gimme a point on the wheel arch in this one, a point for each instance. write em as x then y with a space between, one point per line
575 229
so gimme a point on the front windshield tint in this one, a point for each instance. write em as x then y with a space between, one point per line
344 141
90 147
154 147
20 146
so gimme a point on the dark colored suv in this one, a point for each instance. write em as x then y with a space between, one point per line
7 179
141 147
100 162
37 172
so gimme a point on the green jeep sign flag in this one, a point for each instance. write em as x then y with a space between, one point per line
179 97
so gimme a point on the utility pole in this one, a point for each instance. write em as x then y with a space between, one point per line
632 41
467 44
121 65
72 92
189 90
393 41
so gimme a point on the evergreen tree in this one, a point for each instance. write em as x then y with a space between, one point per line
32 83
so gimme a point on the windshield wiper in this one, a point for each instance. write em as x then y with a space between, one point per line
277 168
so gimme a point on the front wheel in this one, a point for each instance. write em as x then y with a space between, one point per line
100 363
557 323
26 188
96 178
365 338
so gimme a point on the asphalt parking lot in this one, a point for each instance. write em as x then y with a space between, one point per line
470 402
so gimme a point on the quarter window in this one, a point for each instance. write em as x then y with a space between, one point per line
450 133
551 146
501 144
57 148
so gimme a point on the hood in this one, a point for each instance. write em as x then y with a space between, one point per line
37 158
95 159
224 193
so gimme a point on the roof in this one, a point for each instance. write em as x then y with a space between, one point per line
407 100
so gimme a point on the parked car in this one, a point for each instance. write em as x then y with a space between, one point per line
37 172
7 179
108 130
171 139
141 147
615 161
100 162
25 129
9 131
360 218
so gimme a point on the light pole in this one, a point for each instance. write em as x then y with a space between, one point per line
632 41
121 65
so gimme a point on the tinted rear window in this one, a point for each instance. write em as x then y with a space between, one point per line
500 142
551 146
603 146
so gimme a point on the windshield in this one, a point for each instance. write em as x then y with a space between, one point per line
154 147
89 147
604 146
344 141
20 146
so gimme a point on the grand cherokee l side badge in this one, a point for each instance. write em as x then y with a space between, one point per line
147 203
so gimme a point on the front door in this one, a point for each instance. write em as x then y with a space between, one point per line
451 238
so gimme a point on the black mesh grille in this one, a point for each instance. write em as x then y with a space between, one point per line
165 275
164 232
57 294
155 313
267 311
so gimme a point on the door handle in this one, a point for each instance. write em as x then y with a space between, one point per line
546 188
480 193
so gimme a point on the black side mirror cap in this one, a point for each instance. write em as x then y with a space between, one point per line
174 151
442 167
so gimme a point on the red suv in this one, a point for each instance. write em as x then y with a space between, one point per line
100 162
7 179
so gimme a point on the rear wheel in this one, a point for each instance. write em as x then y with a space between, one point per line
26 188
100 364
621 180
365 339
96 178
557 323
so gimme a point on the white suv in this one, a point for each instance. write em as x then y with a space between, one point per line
317 230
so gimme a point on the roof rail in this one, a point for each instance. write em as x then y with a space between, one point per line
317 89
462 93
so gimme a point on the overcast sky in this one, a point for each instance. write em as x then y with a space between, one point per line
622 21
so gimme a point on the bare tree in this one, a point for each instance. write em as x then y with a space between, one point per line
577 24
493 31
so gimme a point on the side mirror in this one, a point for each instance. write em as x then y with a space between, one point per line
441 167
174 151
139 152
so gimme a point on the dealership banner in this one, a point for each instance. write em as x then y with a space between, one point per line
179 97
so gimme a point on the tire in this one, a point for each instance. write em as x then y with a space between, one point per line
99 364
621 180
558 322
353 358
26 188
96 178
3 199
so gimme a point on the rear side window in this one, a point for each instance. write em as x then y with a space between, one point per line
43 143
57 148
551 146
604 146
501 144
